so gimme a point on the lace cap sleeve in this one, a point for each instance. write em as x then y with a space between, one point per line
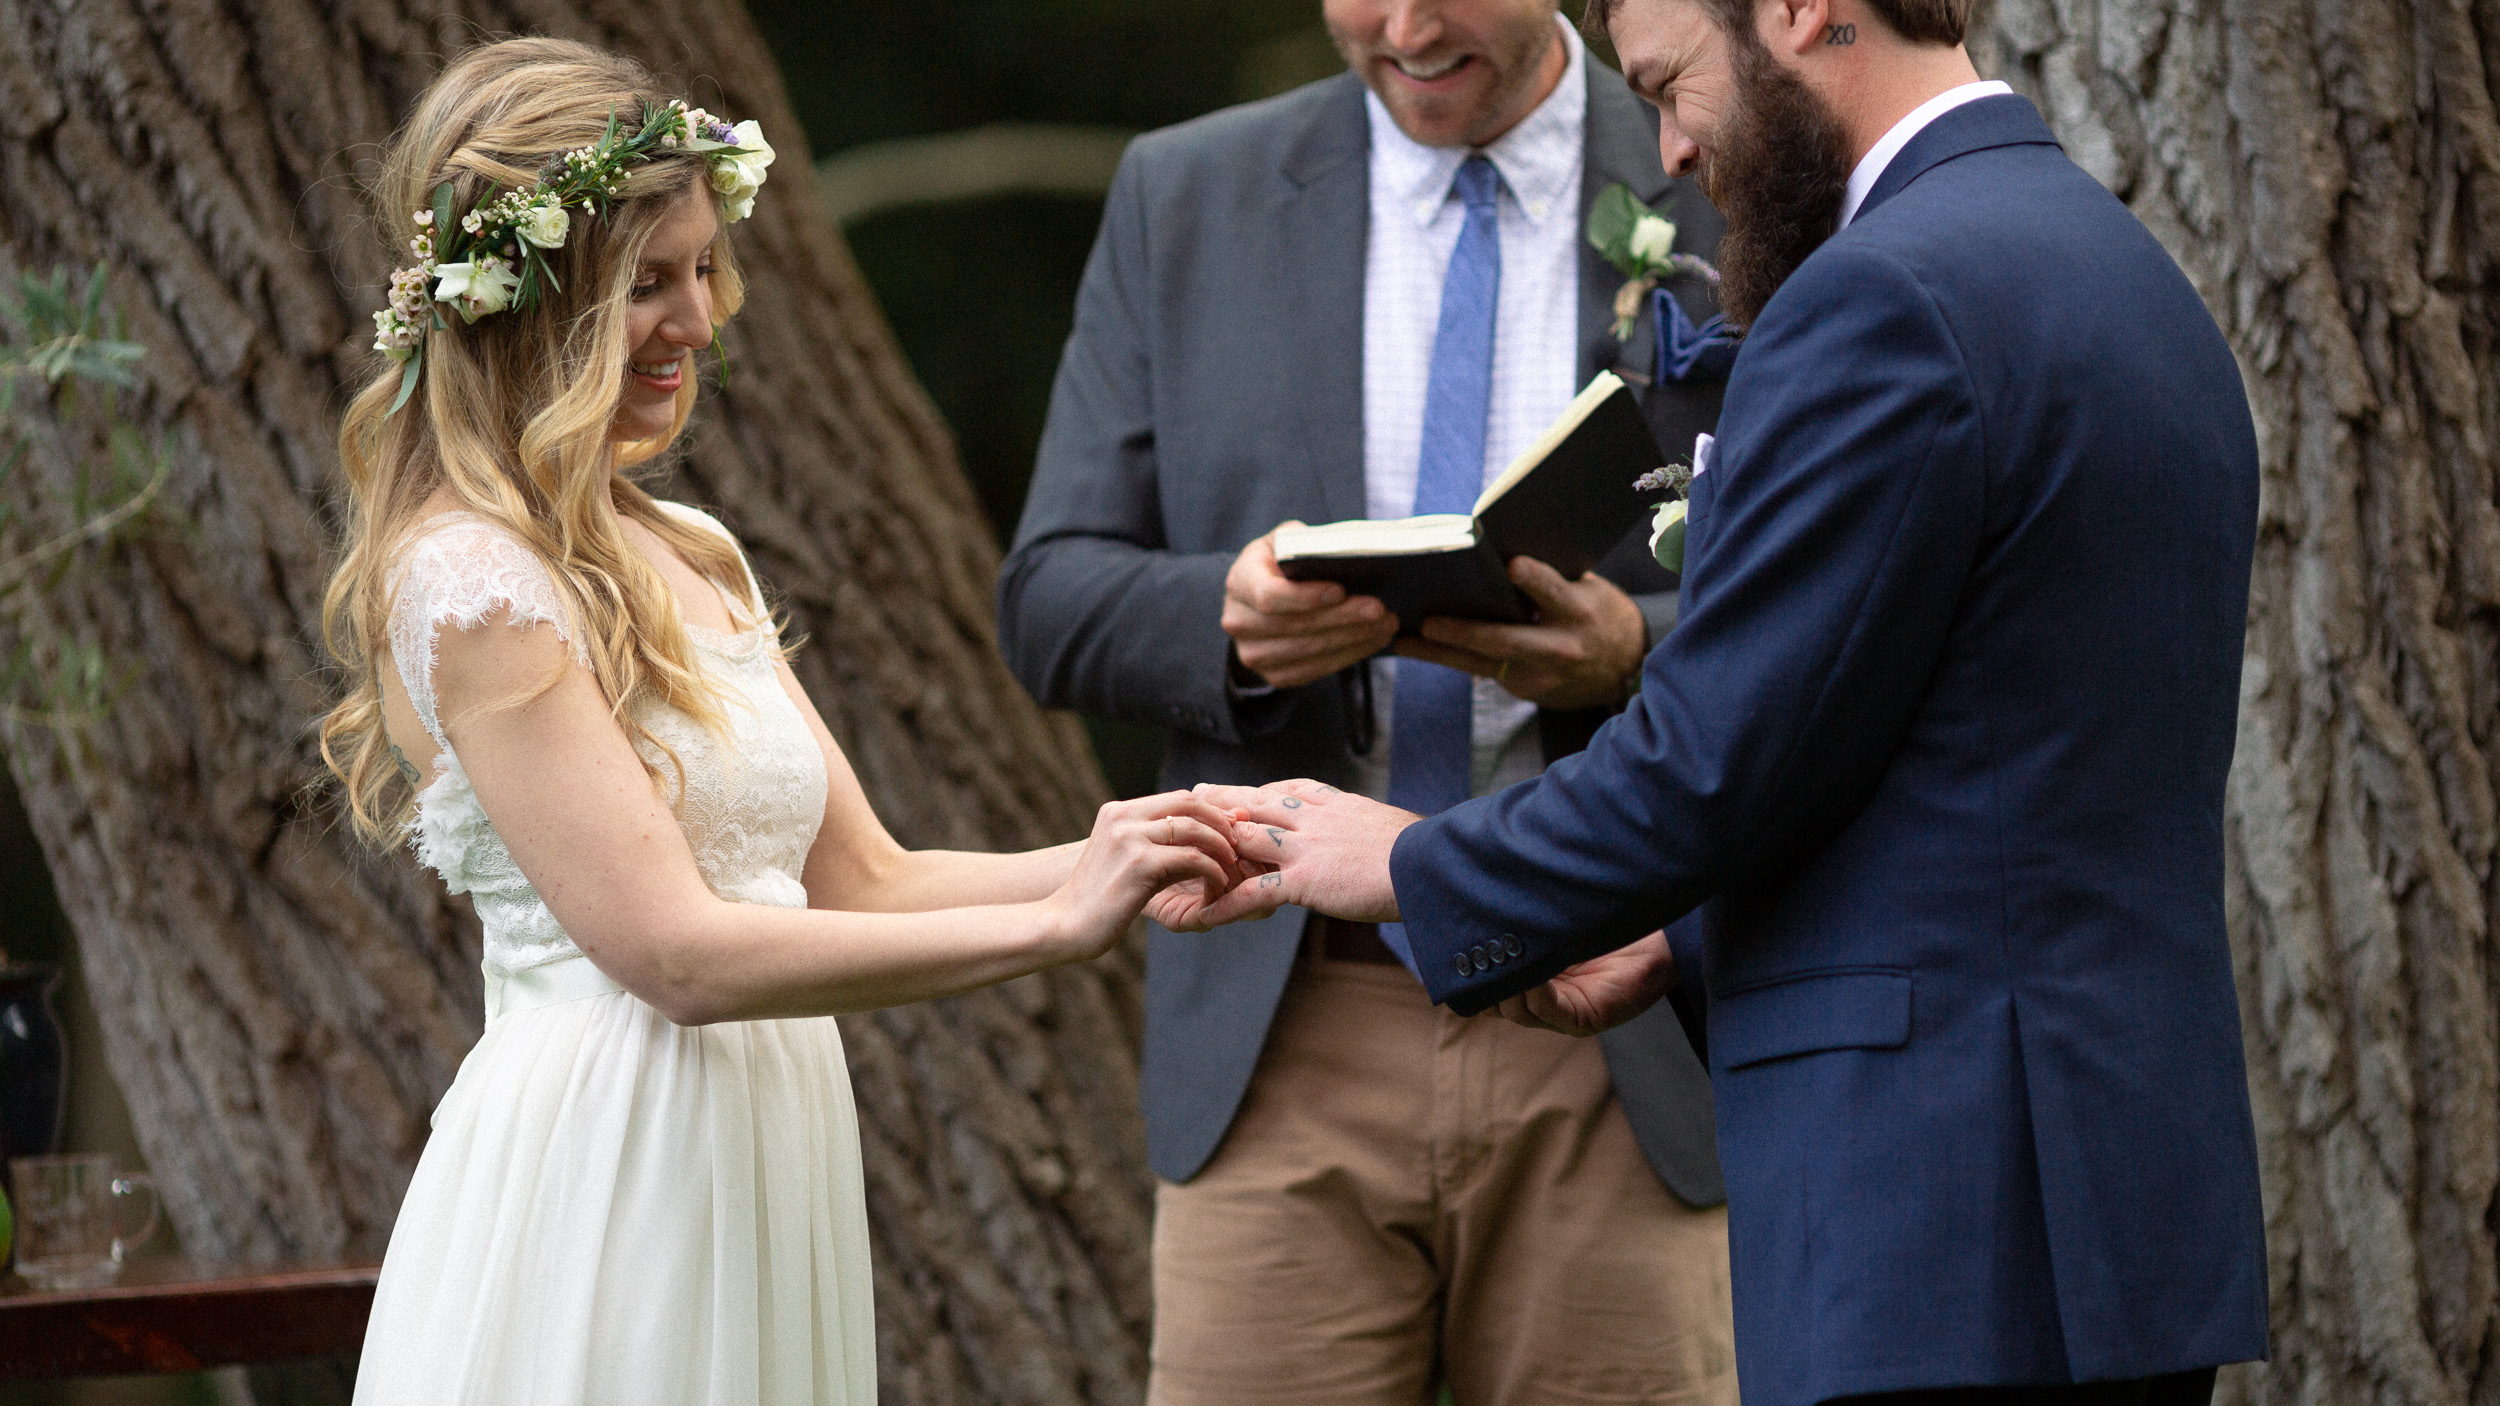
458 571
702 521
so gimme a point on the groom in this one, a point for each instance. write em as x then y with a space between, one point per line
1939 740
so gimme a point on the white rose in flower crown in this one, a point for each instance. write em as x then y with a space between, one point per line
1652 240
476 288
546 227
738 175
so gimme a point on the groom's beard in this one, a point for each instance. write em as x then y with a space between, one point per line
1778 171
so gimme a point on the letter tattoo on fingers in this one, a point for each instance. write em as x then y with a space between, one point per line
1275 836
1293 803
1269 881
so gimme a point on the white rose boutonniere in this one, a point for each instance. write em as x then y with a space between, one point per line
1666 536
1653 238
1640 243
738 171
1666 525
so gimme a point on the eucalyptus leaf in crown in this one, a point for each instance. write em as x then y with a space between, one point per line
494 258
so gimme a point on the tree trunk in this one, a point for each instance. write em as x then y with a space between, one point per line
2329 176
282 1007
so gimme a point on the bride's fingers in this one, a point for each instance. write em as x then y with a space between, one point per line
1180 803
1261 894
1262 843
1188 831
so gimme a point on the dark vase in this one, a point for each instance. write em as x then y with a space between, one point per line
34 1067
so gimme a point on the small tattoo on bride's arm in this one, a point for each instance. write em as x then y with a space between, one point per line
407 769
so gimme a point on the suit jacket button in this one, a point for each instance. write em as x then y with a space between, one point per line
1477 953
1466 967
1511 944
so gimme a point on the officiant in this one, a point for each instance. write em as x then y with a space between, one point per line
1361 299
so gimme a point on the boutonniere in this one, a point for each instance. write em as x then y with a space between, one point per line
1666 525
1640 243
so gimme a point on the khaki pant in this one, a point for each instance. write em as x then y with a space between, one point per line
1410 1197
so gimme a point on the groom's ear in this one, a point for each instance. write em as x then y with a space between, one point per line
1795 29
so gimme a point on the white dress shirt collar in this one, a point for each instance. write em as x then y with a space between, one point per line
1539 158
1870 167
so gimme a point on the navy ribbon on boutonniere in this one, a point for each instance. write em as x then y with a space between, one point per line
1687 352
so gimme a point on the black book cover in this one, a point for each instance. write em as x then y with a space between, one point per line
1568 509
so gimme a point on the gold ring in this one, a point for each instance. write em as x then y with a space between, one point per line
1502 672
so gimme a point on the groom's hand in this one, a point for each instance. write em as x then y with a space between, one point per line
1599 994
1313 845
1588 640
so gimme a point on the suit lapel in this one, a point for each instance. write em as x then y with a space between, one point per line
1322 219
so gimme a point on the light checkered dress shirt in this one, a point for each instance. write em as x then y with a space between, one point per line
1415 222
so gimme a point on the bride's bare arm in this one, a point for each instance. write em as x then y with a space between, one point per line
582 819
856 864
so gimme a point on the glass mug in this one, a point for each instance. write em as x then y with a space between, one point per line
69 1218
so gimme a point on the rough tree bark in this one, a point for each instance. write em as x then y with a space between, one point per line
283 1009
2329 175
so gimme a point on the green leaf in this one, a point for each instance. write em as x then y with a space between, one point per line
444 229
1670 547
407 381
1610 225
95 302
545 270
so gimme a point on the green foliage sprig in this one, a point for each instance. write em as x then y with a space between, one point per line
64 338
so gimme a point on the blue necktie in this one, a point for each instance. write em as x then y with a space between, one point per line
1430 742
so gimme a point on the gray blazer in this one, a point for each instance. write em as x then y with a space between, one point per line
1212 388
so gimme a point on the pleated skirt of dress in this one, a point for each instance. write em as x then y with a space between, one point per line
615 1209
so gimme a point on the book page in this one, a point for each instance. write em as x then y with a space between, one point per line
1600 386
1364 537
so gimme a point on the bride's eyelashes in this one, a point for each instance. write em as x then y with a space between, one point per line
645 287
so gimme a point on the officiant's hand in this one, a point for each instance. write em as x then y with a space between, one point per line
1295 632
1587 642
1308 844
1599 994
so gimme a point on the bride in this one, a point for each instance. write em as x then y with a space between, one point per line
644 1185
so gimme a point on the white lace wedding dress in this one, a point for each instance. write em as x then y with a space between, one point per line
614 1209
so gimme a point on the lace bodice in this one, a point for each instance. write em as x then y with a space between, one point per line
751 805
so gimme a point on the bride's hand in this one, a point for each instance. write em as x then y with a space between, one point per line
1142 850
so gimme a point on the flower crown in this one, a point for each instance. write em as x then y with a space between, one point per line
495 258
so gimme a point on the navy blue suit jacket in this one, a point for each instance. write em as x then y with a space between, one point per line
1940 739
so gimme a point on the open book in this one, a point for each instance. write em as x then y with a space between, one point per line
1566 501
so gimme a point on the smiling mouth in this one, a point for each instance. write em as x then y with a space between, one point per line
659 375
1432 70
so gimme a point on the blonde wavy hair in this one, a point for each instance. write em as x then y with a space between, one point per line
511 416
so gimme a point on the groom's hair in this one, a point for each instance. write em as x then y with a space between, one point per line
1919 21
